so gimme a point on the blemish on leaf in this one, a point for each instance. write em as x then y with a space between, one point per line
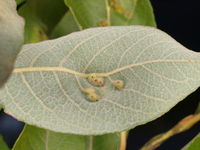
119 8
88 90
128 14
93 97
103 23
96 81
92 76
116 5
119 84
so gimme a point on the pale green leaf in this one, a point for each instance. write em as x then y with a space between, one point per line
194 144
157 73
92 13
11 37
3 145
33 138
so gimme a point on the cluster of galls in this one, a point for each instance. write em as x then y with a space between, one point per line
94 80
91 95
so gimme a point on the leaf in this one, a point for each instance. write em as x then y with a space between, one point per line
33 138
34 28
41 18
40 139
194 144
106 142
3 145
49 86
143 14
65 26
11 37
111 12
198 108
49 12
20 2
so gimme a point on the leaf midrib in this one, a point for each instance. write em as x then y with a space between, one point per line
85 75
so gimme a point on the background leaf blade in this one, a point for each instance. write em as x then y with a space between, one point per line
112 12
3 145
66 25
41 18
194 144
40 139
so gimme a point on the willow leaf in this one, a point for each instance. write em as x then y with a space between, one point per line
49 86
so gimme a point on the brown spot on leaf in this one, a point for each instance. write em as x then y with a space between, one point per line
116 5
119 8
103 23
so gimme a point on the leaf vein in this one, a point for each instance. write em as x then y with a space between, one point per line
162 76
77 46
83 75
47 140
72 101
139 40
106 46
147 96
125 107
42 104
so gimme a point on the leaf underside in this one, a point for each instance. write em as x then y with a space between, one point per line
11 37
46 86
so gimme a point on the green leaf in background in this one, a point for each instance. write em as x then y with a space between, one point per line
194 144
111 12
1 106
106 142
96 15
49 86
20 2
65 26
11 37
49 12
41 18
33 138
131 12
198 108
34 28
3 145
